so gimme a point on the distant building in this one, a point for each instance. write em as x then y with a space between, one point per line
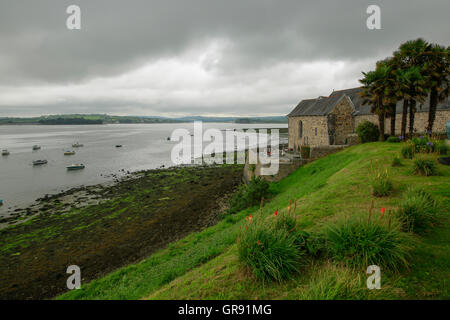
332 120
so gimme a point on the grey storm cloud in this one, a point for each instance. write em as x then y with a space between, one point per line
257 49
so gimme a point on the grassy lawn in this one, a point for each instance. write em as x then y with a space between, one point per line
205 265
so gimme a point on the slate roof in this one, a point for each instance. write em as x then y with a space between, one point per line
323 105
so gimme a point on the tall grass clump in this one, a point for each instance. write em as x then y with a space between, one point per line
335 283
360 243
270 248
380 181
418 211
407 151
424 167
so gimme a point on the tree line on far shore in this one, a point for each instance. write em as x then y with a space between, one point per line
417 71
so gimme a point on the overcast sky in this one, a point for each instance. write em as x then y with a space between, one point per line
196 57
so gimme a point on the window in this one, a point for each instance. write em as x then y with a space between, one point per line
300 129
315 131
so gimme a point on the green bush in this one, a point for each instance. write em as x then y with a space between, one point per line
424 167
418 211
361 243
392 139
407 151
249 195
271 253
367 132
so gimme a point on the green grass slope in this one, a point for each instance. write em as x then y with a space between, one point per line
205 265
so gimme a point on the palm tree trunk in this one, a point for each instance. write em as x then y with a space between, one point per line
432 111
393 115
404 118
381 117
412 110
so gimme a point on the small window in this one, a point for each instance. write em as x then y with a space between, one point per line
300 129
315 131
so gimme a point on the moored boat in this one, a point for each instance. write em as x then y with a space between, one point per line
1 202
118 146
39 162
76 167
77 145
36 147
5 152
69 153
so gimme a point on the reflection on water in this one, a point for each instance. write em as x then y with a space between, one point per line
145 146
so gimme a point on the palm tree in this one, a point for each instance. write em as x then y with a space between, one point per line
376 90
436 69
409 84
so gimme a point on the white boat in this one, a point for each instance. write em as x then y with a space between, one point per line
39 162
69 153
36 147
77 145
76 167
5 152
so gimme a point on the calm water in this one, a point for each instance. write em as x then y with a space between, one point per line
145 146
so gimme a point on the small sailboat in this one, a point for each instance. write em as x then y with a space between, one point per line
77 145
69 153
76 167
39 162
36 147
5 152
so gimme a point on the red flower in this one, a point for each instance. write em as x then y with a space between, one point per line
383 210
258 243
275 213
249 218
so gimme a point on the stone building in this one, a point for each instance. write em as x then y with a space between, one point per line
332 120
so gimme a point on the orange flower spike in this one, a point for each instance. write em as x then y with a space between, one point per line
383 210
275 213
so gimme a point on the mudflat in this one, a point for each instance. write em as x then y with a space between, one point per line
103 227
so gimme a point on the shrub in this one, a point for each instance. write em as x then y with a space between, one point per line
396 162
407 151
381 184
249 195
360 243
367 132
424 167
256 189
417 211
305 152
271 253
442 149
393 139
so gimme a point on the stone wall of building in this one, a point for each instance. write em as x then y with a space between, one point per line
314 131
344 123
420 121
